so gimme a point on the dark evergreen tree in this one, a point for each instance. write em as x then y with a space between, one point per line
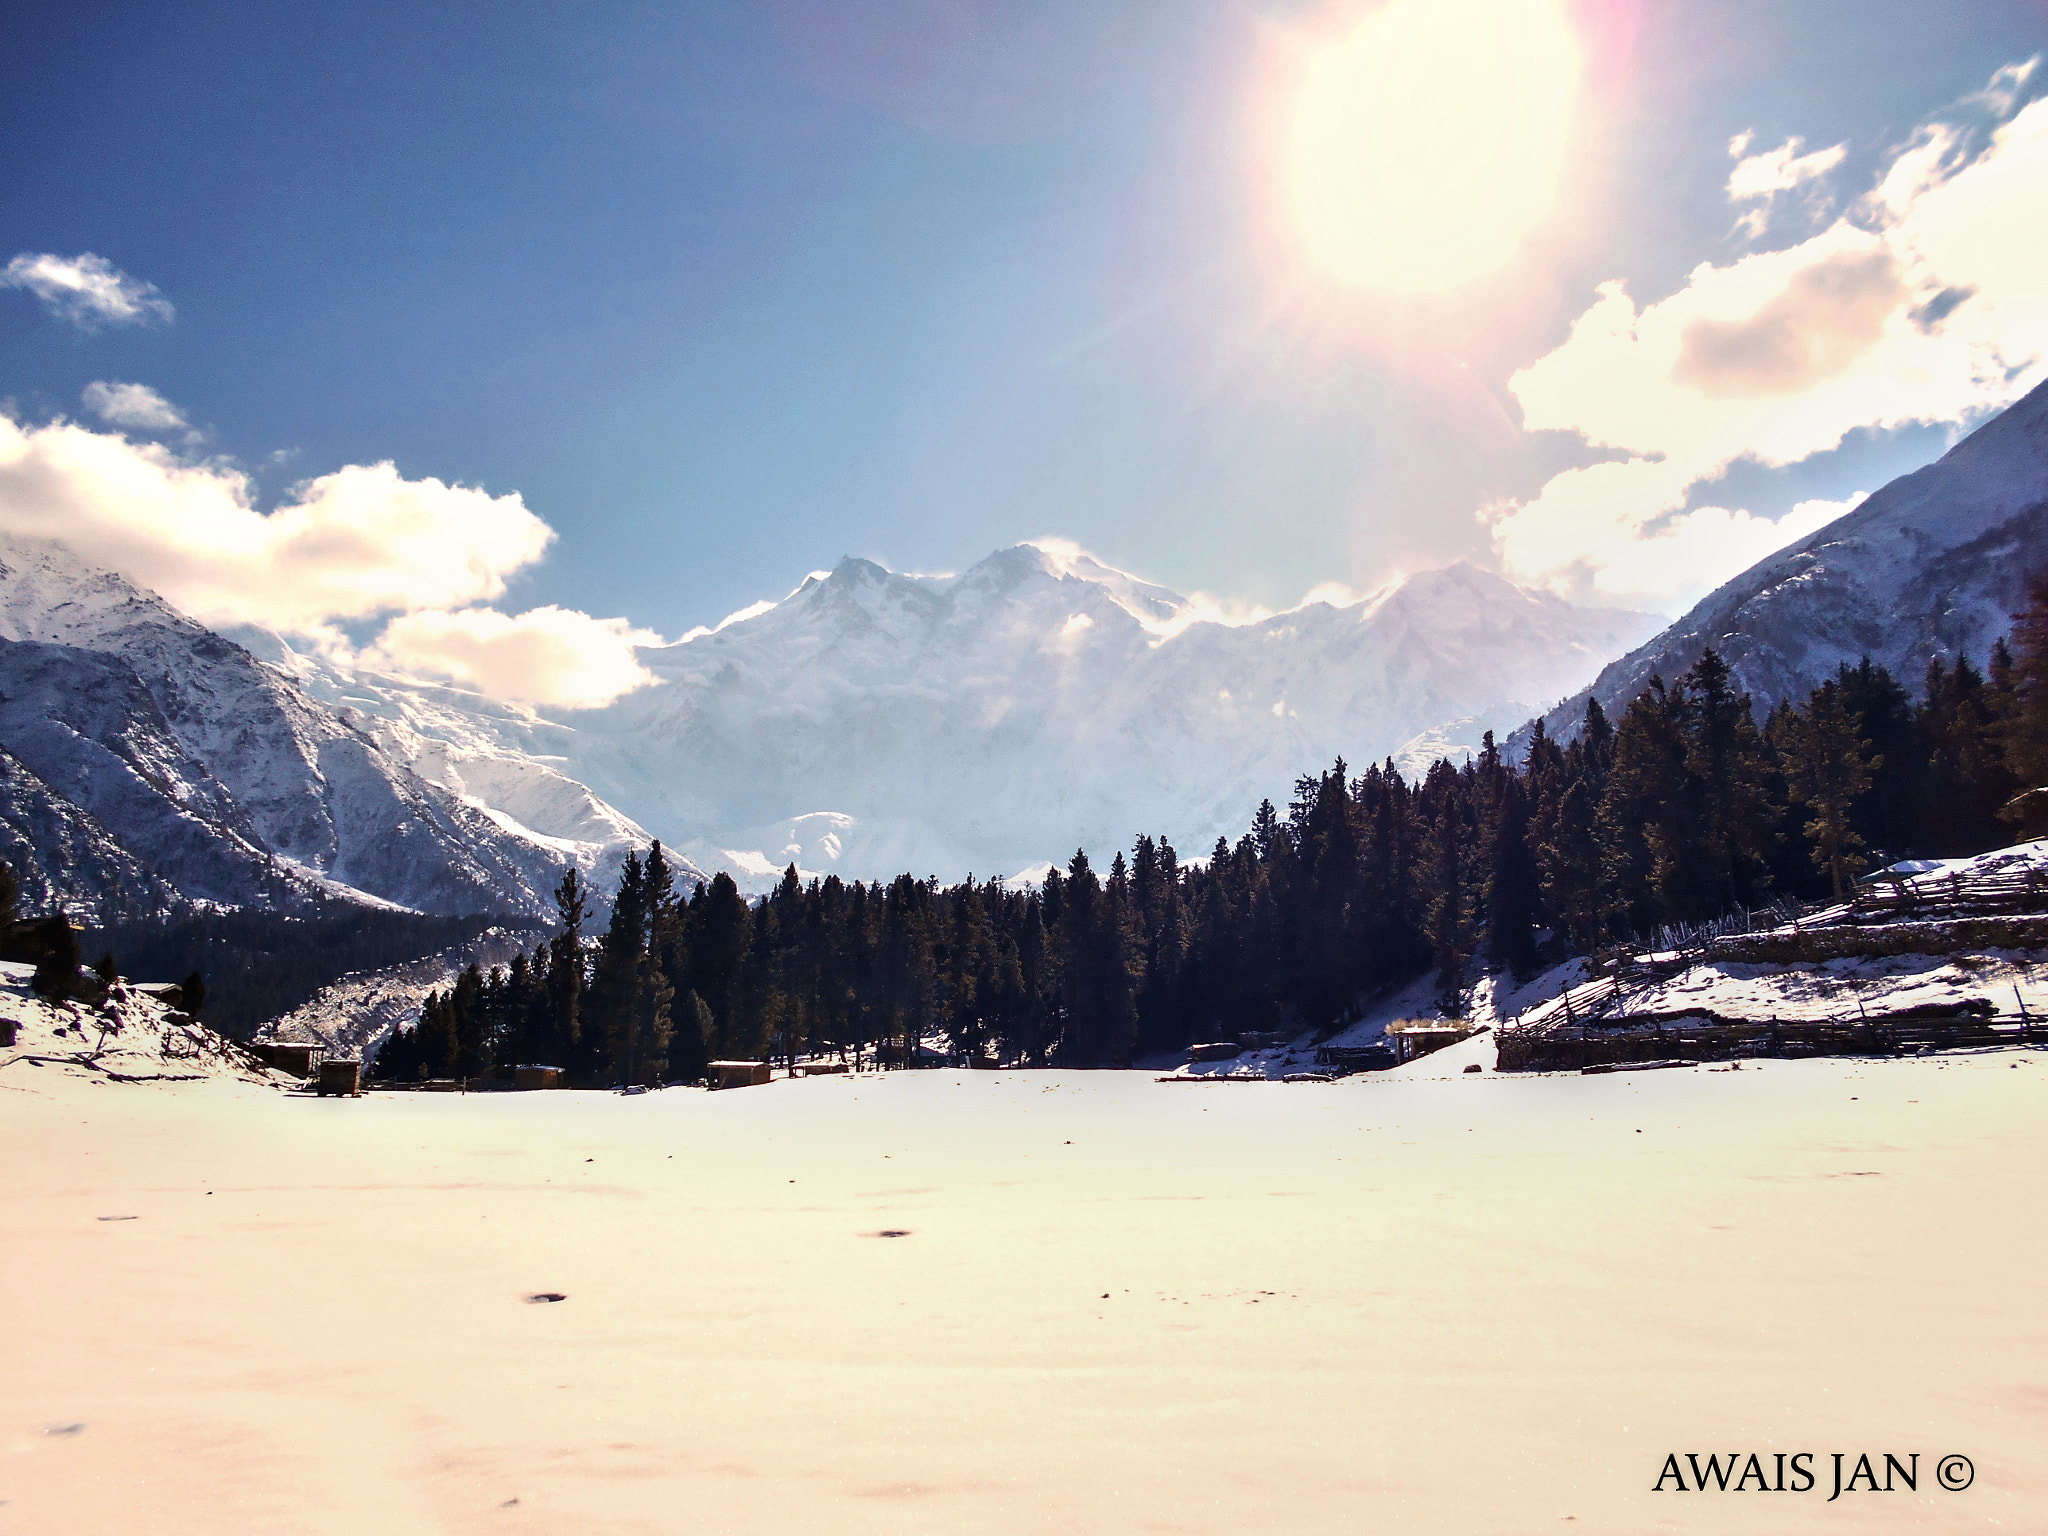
1513 886
564 1045
56 972
1828 765
2025 686
1887 819
1445 881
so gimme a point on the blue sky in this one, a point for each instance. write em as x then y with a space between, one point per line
724 291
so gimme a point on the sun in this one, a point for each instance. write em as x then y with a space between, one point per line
1428 141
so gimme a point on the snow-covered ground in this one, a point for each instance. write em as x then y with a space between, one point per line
1016 1301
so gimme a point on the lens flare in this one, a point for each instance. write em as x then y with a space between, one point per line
1428 142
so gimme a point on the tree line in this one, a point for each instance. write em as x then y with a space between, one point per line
1685 807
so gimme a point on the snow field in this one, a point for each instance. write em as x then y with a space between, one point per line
1390 1304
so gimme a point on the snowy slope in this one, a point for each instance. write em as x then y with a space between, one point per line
134 1036
874 722
352 1017
63 856
1934 564
228 780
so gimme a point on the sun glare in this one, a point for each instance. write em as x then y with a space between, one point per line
1428 141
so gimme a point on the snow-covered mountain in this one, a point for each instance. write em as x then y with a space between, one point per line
1933 565
150 760
874 722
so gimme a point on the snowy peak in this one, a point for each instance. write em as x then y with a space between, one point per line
1153 606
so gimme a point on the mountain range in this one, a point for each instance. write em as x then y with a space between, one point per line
991 721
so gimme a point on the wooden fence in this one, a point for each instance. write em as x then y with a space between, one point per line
1703 1036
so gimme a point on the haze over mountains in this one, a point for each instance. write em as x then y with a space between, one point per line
989 721
1933 565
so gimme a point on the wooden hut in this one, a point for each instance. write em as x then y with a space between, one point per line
739 1074
2028 810
1415 1038
293 1056
341 1078
528 1079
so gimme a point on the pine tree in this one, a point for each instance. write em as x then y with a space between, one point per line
1960 741
1444 881
1827 766
1571 868
469 1021
1887 819
722 935
613 1011
56 972
688 1057
1513 885
1728 775
565 976
2025 682
1646 819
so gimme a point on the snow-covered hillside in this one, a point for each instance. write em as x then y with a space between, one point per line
152 759
133 1036
874 722
1933 565
352 1017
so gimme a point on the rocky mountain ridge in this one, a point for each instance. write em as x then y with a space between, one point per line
154 762
1934 564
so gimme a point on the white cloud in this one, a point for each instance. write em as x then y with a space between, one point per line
354 545
1926 303
1760 178
1698 550
2006 87
1777 170
87 290
131 405
349 545
543 656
